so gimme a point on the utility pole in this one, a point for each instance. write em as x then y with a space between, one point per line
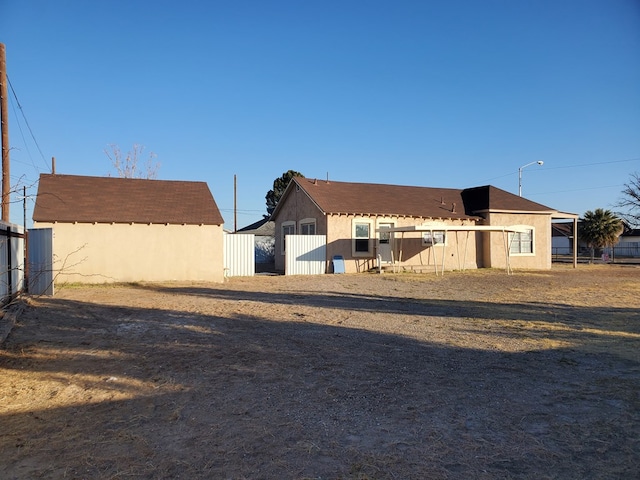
235 203
4 120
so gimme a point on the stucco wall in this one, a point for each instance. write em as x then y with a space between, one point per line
463 250
99 253
414 254
297 207
460 251
494 242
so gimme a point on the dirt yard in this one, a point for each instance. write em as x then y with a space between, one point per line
471 375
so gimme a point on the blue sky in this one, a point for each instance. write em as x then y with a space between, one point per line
431 93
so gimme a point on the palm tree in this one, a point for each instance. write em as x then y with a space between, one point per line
599 229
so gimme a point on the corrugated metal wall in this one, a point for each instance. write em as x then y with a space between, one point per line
11 260
41 261
239 255
305 255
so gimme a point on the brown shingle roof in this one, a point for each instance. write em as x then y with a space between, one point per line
73 198
378 199
426 202
489 198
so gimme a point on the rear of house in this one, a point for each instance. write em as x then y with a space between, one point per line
125 230
373 225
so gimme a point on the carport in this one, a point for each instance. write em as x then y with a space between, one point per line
457 229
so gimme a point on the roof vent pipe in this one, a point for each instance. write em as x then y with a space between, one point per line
453 207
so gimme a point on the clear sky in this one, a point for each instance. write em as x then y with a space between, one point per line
455 94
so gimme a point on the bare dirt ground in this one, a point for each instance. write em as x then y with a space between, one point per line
471 375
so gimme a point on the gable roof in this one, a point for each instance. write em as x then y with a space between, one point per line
491 199
264 227
427 202
74 198
564 229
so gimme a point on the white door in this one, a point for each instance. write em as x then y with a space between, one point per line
385 243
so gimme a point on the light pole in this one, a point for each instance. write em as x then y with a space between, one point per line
539 162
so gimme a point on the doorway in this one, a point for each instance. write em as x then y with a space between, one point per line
385 243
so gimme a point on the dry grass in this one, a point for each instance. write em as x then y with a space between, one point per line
470 375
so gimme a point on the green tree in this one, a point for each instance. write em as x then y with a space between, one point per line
630 200
279 186
599 229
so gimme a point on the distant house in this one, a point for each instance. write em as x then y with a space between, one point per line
628 244
125 230
373 225
264 240
562 238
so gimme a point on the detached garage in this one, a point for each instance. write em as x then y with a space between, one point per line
109 229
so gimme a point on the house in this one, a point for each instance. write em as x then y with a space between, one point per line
371 225
264 241
561 238
109 229
628 244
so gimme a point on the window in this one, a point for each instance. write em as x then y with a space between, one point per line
288 228
521 243
434 237
361 236
308 226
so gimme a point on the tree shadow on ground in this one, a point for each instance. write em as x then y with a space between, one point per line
242 396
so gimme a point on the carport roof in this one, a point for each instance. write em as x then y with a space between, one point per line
82 199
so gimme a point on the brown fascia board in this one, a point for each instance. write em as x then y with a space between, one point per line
529 212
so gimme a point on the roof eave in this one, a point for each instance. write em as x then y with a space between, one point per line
287 192
528 212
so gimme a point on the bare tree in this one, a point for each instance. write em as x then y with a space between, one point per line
129 165
630 200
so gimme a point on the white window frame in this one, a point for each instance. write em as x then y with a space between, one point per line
354 239
427 238
514 239
287 224
305 222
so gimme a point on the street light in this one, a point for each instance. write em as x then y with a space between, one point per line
539 162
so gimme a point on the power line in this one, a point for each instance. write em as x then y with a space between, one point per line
24 140
580 165
26 121
241 211
577 190
593 164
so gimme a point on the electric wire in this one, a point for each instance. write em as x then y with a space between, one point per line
24 140
576 190
26 121
579 165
